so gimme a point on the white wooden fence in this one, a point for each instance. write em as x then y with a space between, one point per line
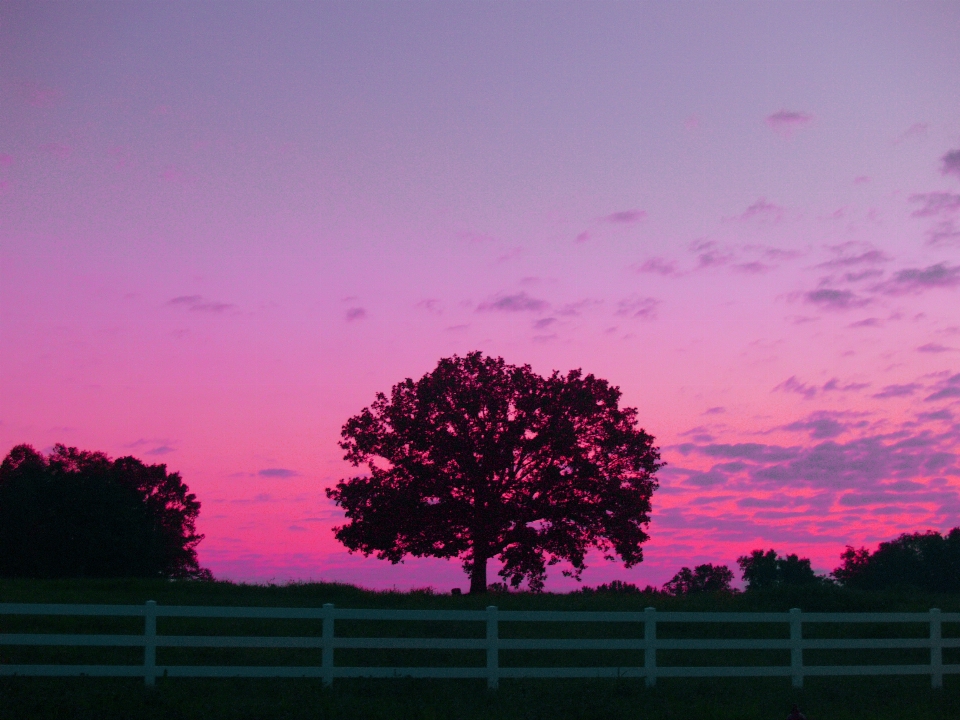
491 644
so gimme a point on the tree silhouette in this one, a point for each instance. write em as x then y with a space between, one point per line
79 514
703 578
927 560
483 460
763 570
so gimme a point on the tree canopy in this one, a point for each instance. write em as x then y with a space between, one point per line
483 460
76 513
927 560
762 570
702 578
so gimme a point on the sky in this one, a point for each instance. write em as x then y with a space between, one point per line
225 228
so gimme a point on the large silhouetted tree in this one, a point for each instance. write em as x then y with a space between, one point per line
483 460
927 560
80 514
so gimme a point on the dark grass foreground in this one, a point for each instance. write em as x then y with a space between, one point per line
822 699
908 698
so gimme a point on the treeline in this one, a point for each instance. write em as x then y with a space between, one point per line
926 561
75 513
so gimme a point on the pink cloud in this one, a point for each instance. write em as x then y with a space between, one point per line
583 237
786 122
6 160
691 123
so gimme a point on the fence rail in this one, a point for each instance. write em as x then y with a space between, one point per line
492 643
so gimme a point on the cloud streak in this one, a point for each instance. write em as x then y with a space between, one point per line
196 303
517 302
786 122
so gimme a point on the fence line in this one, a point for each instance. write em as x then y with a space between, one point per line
492 643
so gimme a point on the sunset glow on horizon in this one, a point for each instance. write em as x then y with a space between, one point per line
224 229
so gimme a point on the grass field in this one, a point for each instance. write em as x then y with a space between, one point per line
821 698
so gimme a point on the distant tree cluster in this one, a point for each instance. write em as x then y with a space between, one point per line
927 561
762 570
702 578
76 513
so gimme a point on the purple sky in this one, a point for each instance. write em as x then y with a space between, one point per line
224 228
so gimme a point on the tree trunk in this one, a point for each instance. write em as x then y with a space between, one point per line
478 574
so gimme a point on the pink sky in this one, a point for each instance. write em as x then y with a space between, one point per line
223 230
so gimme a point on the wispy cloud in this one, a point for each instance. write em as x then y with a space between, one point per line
791 384
518 302
946 389
917 130
710 254
762 209
638 307
890 391
915 280
945 232
866 257
933 348
625 216
786 122
833 299
277 473
659 266
196 303
935 203
950 163
820 426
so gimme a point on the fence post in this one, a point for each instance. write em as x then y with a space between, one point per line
150 643
796 647
493 653
650 651
936 649
328 644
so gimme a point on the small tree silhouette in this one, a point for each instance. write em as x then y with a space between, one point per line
483 460
763 570
703 578
80 514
